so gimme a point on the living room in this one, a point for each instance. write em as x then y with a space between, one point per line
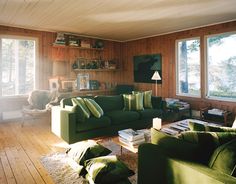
115 33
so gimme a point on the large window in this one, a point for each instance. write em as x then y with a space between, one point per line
188 67
221 66
17 71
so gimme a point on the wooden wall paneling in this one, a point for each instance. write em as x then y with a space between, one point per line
165 45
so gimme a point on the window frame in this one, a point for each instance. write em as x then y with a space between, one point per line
36 66
206 68
177 68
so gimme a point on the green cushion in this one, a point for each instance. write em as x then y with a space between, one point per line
224 158
120 116
174 146
93 123
86 150
79 102
209 128
150 113
208 141
133 101
110 103
94 108
147 98
107 169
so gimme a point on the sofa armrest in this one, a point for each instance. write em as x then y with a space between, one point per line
181 149
155 166
63 123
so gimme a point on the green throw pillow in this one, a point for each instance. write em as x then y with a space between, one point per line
209 128
207 141
107 169
147 98
133 101
94 108
86 150
79 102
224 158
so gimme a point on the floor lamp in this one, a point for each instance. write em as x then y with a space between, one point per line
156 77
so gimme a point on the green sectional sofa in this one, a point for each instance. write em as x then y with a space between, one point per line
73 126
169 160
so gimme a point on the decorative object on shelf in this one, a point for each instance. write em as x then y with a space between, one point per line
67 85
83 81
112 64
99 44
60 39
74 65
145 66
156 77
85 44
54 84
94 84
73 41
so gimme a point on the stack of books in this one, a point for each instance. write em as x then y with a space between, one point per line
131 137
60 40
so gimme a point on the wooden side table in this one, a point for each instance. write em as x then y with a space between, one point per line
224 118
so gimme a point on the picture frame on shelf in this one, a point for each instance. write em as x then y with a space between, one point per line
54 84
83 81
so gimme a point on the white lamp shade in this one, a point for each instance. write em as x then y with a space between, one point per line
156 76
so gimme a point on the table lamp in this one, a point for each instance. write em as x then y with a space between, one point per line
156 77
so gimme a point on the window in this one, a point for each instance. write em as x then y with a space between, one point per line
18 59
221 66
188 67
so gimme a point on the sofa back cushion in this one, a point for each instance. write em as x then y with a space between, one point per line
110 103
67 101
224 158
207 141
157 102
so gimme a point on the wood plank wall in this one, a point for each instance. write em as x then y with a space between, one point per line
124 52
165 45
46 57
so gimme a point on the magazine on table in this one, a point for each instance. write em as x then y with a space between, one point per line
130 134
132 143
179 127
169 131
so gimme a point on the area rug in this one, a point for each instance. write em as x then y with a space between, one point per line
60 169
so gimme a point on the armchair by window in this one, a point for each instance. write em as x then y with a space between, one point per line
40 103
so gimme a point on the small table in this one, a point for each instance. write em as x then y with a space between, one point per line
122 145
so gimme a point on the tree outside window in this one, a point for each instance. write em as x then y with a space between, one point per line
188 67
17 66
221 66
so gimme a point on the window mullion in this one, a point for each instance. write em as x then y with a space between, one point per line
0 67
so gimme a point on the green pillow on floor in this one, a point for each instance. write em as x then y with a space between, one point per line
86 150
107 169
224 158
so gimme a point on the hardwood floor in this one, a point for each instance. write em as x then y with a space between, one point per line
21 149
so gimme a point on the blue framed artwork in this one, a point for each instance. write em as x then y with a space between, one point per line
145 66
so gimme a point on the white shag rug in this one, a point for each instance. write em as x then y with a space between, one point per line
63 170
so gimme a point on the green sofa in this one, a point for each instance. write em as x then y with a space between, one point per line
73 126
169 160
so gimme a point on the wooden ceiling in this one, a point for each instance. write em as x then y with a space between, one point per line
120 20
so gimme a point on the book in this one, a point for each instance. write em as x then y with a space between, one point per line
130 134
169 131
132 143
178 127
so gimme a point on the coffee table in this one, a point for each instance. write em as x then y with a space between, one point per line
122 145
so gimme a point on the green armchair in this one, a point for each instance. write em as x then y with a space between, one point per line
170 160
